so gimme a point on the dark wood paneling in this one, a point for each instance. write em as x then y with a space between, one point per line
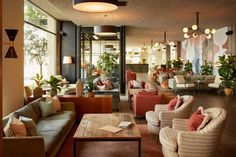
122 59
68 48
1 135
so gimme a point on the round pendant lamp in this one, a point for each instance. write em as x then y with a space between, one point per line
105 30
95 5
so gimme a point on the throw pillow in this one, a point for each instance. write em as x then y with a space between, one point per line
102 87
108 84
179 101
14 127
46 108
206 119
56 103
136 84
30 125
195 120
164 84
172 103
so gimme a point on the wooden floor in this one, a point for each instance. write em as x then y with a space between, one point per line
227 147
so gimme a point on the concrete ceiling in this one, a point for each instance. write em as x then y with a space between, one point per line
148 19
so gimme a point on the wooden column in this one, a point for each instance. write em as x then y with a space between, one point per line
179 49
78 54
122 59
1 134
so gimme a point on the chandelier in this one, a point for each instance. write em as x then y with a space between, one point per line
196 30
164 43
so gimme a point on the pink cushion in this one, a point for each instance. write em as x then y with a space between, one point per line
172 103
195 120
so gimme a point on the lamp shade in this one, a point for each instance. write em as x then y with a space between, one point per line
95 5
105 30
67 60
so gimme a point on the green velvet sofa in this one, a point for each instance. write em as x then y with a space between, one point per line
51 131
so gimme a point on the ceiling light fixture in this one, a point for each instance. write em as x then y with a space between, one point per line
95 5
105 30
195 30
164 43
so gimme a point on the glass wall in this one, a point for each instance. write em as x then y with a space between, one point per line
39 43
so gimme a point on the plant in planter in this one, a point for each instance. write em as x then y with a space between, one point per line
168 64
206 69
54 84
89 88
227 71
108 62
38 91
177 64
188 68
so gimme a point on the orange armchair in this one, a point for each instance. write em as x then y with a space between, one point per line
130 76
143 103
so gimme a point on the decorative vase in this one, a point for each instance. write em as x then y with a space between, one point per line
53 92
228 91
90 94
79 88
38 92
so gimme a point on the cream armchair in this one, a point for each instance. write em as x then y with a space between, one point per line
216 83
161 117
182 84
178 142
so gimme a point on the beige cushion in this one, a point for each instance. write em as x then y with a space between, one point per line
47 109
214 85
179 79
168 138
185 85
30 126
7 129
15 128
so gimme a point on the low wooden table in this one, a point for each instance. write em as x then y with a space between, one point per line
88 129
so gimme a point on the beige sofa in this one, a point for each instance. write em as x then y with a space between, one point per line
51 132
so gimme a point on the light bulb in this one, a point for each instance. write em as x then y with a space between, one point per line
194 35
213 31
208 36
194 27
185 29
186 35
207 31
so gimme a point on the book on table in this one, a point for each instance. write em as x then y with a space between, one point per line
110 129
125 124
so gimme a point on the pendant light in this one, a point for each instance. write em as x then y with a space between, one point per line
105 30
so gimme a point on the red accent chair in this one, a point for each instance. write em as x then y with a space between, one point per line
143 103
130 76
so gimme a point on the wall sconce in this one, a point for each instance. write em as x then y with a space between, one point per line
11 33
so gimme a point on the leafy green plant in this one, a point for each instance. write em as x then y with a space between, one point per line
206 69
227 70
168 64
177 63
38 80
108 61
188 67
54 83
90 86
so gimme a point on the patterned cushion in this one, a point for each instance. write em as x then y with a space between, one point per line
30 126
15 128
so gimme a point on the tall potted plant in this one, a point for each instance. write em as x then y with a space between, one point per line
227 71
188 68
108 62
54 84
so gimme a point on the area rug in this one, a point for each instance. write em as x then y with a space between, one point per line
149 147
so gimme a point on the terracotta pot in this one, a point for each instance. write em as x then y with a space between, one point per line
90 94
53 92
38 92
228 91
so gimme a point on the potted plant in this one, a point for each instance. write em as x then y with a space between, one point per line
177 64
227 71
38 91
188 68
89 88
108 62
54 84
206 69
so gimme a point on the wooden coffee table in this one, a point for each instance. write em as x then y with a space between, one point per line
88 129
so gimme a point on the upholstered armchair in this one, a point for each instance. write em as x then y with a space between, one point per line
179 142
216 83
161 117
141 103
132 89
129 75
181 83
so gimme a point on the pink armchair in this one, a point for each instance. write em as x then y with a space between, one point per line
134 90
143 103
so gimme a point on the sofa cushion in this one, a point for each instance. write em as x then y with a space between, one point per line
35 105
55 102
15 127
136 84
27 111
172 103
30 126
47 108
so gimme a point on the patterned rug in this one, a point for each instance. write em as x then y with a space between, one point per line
149 147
